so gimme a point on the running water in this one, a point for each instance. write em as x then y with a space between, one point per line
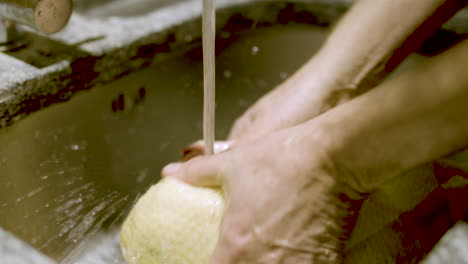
209 22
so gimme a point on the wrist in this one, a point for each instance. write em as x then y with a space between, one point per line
408 121
319 85
323 144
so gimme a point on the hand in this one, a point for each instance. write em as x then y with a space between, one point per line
300 98
285 203
357 56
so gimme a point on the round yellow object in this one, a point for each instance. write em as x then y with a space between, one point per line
173 223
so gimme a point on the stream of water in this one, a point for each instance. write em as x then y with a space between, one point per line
209 98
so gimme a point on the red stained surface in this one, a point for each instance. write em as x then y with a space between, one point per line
423 227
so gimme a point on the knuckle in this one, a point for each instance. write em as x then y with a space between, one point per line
237 128
238 242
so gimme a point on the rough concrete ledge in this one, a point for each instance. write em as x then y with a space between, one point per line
99 50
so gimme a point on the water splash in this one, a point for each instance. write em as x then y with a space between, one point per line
81 215
81 211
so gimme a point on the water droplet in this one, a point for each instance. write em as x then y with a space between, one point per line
142 175
255 50
79 146
75 147
36 191
45 177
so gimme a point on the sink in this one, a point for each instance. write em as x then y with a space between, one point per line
74 169
122 8
75 157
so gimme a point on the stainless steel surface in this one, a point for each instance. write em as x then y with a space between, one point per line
46 16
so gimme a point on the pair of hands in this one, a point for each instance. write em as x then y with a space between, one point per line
287 203
290 181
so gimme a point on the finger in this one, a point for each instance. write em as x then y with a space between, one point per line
222 146
199 148
235 235
200 171
171 169
221 255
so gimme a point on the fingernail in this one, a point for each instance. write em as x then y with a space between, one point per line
171 169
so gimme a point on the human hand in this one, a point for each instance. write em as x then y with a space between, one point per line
357 56
285 203
300 98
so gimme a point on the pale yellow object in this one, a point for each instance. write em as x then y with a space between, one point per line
173 223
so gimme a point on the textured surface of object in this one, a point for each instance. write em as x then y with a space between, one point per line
173 223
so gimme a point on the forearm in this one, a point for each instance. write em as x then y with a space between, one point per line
370 41
408 121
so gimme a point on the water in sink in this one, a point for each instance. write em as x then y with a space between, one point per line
73 170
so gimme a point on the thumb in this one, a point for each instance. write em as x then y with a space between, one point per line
200 171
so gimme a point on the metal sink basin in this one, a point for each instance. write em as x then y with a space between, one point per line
82 153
